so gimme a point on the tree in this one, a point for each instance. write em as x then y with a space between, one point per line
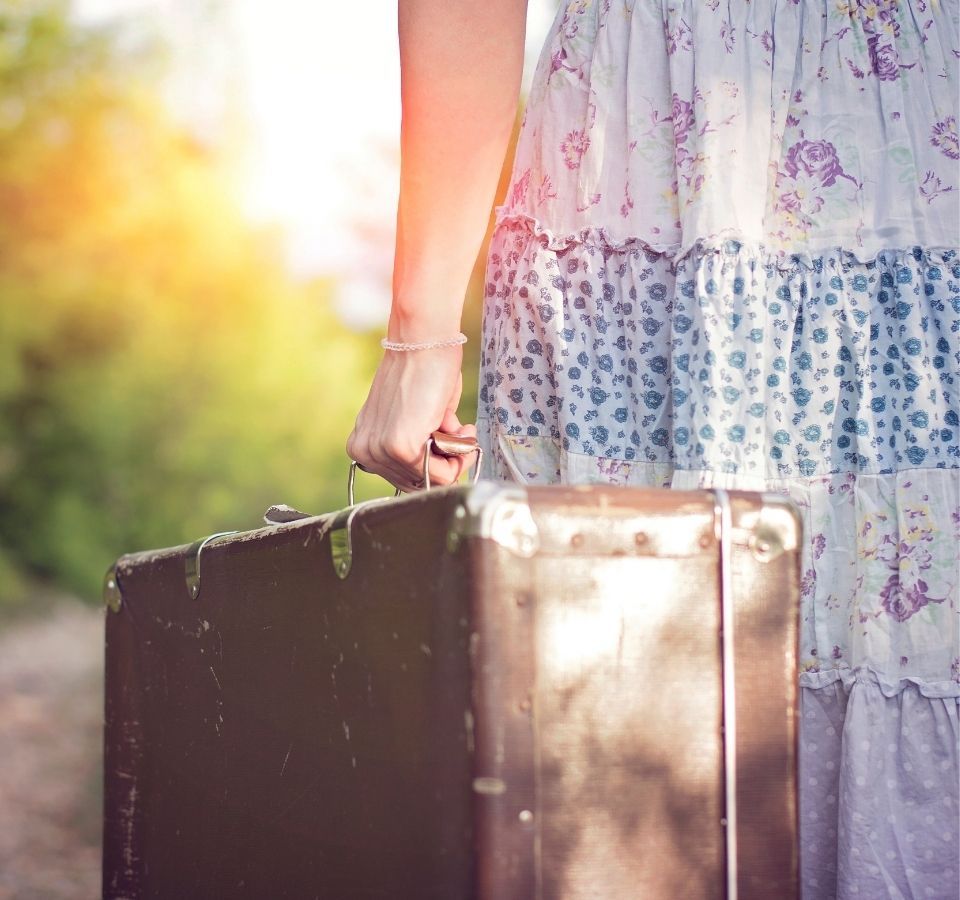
161 375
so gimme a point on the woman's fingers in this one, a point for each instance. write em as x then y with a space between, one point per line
405 470
411 396
450 423
398 465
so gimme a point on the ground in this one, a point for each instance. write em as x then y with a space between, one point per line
51 719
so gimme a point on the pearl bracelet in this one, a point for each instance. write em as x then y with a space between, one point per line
423 345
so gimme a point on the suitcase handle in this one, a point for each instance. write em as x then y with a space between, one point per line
439 442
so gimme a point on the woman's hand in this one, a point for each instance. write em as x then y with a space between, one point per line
413 394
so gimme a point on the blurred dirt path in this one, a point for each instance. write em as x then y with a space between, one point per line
51 715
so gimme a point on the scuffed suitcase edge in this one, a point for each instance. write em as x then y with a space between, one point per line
314 527
501 512
122 752
770 526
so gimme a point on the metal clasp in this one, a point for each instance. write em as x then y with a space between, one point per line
341 542
192 561
112 595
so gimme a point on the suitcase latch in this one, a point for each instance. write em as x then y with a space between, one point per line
341 540
112 596
340 529
192 562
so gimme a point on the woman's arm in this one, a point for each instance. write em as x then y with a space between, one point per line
461 62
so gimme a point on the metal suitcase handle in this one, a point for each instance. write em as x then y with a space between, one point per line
341 545
439 442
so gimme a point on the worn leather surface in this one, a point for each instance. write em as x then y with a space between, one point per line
455 718
290 734
628 703
628 700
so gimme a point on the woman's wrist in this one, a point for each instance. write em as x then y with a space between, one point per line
423 321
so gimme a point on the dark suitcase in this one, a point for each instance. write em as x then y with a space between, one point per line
487 691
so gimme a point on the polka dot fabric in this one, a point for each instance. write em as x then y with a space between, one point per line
878 805
730 257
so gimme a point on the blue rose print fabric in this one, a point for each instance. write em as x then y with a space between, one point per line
730 257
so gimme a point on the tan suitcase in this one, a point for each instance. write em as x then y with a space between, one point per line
485 691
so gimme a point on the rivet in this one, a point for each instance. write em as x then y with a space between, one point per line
704 540
522 599
640 538
524 704
576 540
525 816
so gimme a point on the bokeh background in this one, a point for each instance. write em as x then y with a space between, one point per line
197 205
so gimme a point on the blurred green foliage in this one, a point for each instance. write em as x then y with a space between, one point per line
161 375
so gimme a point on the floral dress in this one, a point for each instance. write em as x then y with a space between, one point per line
730 257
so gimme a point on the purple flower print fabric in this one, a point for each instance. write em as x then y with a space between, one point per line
729 256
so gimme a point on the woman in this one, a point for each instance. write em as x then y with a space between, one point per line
728 257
